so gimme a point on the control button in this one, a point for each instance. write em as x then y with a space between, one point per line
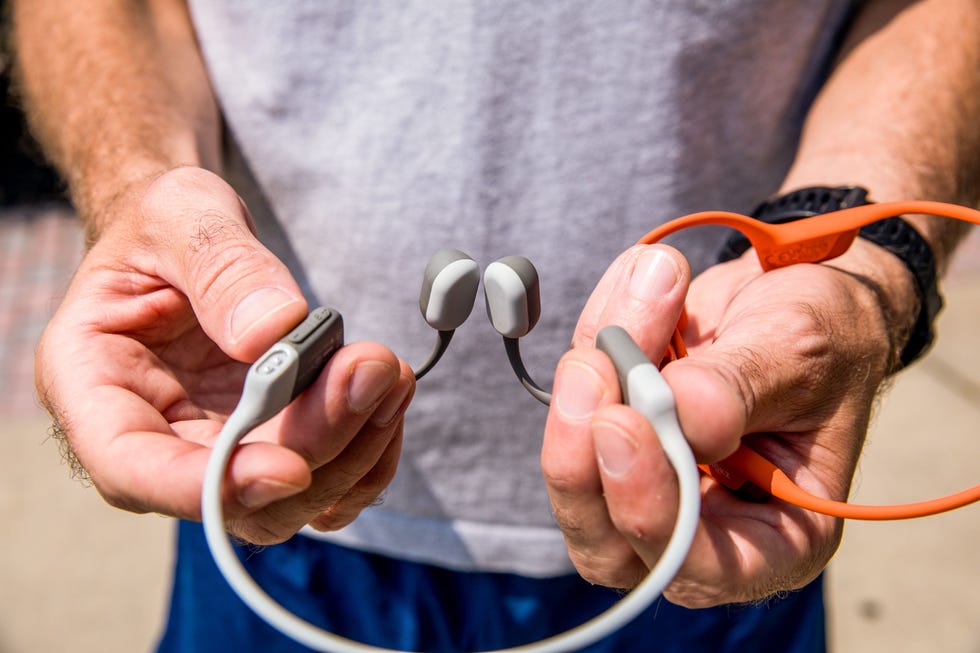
309 325
273 362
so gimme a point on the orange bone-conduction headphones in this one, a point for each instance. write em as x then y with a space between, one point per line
809 240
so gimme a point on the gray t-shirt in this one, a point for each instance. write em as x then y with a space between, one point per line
370 134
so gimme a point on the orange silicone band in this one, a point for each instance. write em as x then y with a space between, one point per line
810 240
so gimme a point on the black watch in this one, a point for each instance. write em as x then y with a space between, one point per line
894 234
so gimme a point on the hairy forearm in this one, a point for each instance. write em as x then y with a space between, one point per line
115 91
899 117
900 113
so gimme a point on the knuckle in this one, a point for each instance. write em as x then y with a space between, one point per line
355 474
809 333
114 499
262 536
337 516
637 527
696 596
601 558
620 570
119 499
263 529
184 187
638 523
334 519
360 497
566 478
571 524
328 490
591 571
593 576
585 334
346 509
219 266
370 489
217 248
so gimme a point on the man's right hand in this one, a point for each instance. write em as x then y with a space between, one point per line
145 359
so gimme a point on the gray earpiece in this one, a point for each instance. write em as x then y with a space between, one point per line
513 296
449 286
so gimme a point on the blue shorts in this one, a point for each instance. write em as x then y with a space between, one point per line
403 605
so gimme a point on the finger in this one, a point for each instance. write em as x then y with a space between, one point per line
146 467
711 293
138 463
351 480
741 551
365 492
643 292
711 401
638 484
585 380
588 322
364 384
723 395
340 490
243 296
108 409
648 303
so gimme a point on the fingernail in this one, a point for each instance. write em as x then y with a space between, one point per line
255 308
263 491
654 275
386 412
369 383
579 391
615 449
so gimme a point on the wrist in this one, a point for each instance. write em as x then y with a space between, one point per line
114 96
907 290
118 198
893 293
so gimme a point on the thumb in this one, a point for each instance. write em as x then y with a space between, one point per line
643 292
243 296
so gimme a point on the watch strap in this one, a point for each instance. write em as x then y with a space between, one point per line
894 234
901 239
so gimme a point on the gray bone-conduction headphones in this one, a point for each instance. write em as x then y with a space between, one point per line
449 286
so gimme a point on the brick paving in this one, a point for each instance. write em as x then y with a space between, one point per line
40 247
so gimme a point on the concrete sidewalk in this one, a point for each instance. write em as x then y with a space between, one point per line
911 586
78 575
